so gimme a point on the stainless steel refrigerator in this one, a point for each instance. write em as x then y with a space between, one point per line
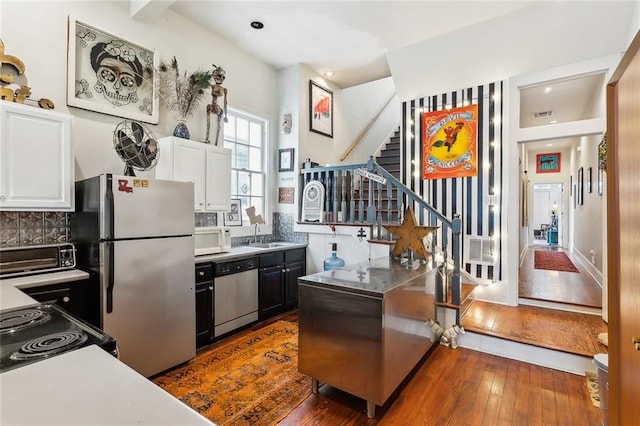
135 237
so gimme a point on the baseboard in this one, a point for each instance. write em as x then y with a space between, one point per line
590 267
562 361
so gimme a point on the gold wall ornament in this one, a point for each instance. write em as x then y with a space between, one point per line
11 60
22 92
409 235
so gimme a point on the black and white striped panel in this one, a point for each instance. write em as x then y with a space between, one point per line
475 199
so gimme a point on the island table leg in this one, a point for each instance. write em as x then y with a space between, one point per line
314 385
371 409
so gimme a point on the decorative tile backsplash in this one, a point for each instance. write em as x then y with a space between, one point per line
33 228
36 228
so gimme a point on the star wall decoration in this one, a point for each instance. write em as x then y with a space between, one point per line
409 235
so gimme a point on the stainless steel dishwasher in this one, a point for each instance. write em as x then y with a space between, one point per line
235 295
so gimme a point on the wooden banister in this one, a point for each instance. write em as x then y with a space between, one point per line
364 132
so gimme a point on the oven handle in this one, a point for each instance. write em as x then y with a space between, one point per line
109 261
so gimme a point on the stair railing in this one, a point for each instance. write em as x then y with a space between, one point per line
359 138
345 203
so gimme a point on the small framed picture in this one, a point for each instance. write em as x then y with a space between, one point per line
285 160
234 216
320 109
111 75
548 163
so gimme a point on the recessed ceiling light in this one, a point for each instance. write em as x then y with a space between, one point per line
548 89
257 25
328 74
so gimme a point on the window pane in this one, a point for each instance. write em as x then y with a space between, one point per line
256 184
256 134
243 130
259 205
255 159
242 156
230 128
244 183
246 203
234 183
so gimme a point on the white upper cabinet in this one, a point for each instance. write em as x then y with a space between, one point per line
36 159
207 166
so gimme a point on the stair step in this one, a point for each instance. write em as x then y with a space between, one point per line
393 152
383 161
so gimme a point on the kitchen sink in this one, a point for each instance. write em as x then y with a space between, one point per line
270 245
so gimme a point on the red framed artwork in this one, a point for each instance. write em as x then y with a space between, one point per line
548 163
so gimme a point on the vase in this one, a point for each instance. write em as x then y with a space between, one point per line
181 130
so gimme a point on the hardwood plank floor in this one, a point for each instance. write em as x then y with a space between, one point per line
462 387
571 332
458 387
556 286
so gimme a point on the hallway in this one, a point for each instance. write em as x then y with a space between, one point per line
554 286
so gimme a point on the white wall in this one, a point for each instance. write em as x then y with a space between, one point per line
36 32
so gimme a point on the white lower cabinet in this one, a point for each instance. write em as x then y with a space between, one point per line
36 159
207 166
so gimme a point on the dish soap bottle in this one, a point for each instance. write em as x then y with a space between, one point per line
334 261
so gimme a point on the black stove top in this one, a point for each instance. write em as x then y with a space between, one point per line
33 333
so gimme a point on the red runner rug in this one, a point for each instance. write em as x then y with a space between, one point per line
553 261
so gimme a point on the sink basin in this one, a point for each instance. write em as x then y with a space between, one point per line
269 245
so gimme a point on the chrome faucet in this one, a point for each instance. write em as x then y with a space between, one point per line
255 234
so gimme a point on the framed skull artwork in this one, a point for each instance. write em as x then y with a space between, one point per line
110 75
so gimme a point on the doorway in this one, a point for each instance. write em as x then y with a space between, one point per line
546 215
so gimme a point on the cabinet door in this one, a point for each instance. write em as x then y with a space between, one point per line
204 314
292 272
218 183
189 166
271 292
36 168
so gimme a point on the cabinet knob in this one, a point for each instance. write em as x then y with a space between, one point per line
201 273
66 299
211 288
3 197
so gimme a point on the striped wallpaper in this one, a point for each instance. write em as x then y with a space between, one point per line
470 197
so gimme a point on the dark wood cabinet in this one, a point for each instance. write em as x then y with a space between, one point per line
204 304
278 281
73 297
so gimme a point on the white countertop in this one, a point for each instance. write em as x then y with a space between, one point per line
11 297
238 252
87 387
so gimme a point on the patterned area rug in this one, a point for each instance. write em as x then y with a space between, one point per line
253 380
592 387
553 261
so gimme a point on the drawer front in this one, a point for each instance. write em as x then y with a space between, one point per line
295 255
271 259
204 273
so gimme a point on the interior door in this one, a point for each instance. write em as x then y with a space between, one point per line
623 157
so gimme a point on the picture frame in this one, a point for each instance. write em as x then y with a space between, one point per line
580 188
589 180
234 216
286 195
111 75
320 109
548 163
286 159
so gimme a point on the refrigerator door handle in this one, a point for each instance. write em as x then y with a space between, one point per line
110 262
108 208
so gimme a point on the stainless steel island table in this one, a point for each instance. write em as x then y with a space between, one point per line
363 328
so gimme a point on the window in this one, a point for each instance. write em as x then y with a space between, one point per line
246 136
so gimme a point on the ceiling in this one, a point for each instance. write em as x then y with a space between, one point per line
350 38
365 40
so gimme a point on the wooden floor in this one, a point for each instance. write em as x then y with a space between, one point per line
555 286
459 387
549 328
